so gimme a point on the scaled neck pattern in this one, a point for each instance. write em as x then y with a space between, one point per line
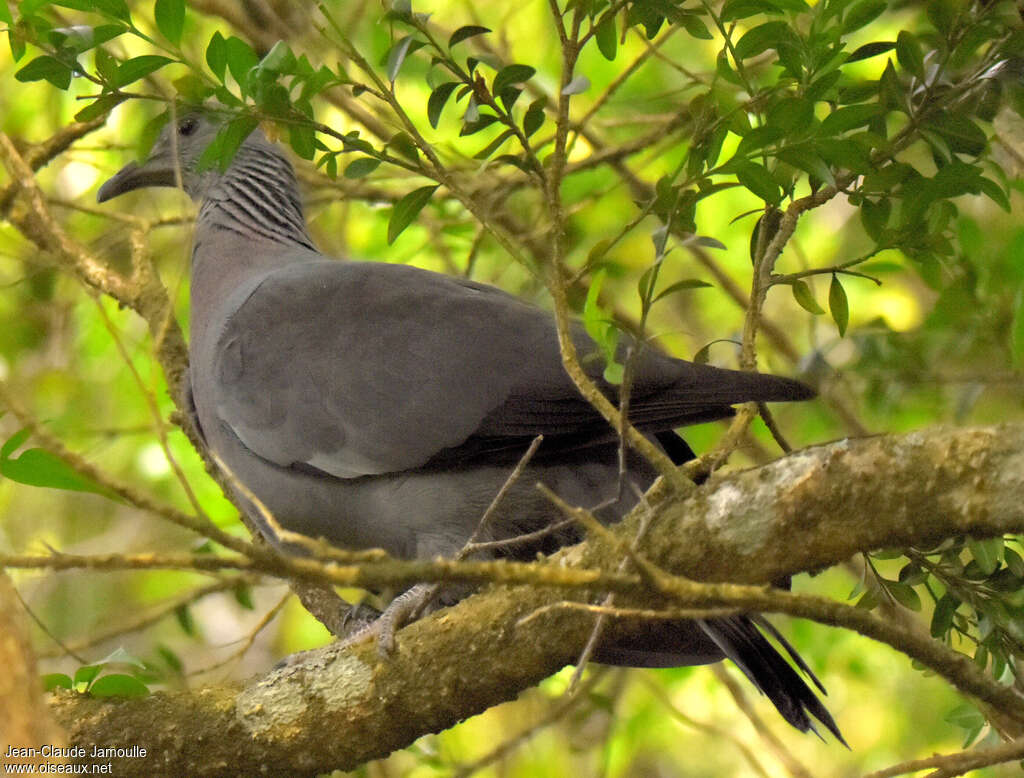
257 198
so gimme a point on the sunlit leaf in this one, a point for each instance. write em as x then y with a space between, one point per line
53 681
118 685
363 166
133 69
802 294
838 305
170 19
407 209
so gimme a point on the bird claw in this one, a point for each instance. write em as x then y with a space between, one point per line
402 610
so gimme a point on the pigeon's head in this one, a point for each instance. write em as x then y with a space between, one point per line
173 161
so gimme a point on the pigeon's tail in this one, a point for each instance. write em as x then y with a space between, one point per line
740 640
737 638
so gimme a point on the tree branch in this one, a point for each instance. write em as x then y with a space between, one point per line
803 512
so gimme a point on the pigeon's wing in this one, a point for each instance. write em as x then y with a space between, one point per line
364 368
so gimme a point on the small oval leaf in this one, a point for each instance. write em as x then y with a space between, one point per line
838 305
802 294
469 31
406 210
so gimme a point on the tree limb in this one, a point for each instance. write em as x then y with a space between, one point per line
802 513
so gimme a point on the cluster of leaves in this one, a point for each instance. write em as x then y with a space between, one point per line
976 594
97 680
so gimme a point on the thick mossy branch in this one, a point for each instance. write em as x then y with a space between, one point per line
338 709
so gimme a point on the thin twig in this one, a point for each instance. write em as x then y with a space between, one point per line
951 765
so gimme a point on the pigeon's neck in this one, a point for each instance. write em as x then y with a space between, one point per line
257 200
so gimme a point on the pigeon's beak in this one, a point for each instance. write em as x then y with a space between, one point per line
152 172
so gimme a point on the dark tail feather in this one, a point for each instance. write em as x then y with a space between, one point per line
741 641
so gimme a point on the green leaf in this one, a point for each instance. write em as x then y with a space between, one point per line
100 106
791 114
869 50
696 27
1013 561
138 67
942 616
904 595
733 10
240 60
48 68
493 146
363 166
170 19
758 180
908 53
16 441
839 306
593 317
678 286
862 13
217 56
398 53
192 89
114 8
987 553
437 100
875 216
36 467
243 596
172 659
53 681
511 74
406 210
118 685
849 117
534 117
280 59
962 135
184 616
403 143
803 158
224 145
607 36
995 193
469 31
965 716
769 35
86 673
802 294
302 138
758 138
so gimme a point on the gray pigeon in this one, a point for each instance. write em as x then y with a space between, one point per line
383 406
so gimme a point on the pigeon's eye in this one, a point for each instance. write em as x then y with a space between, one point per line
188 126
